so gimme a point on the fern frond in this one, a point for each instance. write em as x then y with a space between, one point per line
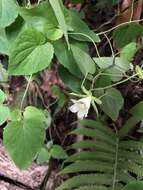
100 126
84 180
99 135
106 162
91 155
88 166
131 145
94 187
90 144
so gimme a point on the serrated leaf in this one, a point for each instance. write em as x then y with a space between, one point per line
8 12
112 102
30 53
4 44
57 7
23 139
58 152
127 33
83 60
4 114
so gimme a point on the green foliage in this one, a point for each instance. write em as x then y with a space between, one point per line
8 12
4 45
84 61
127 33
4 110
30 53
25 137
134 186
112 102
106 161
57 7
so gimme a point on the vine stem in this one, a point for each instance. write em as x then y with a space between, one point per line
115 84
122 24
26 90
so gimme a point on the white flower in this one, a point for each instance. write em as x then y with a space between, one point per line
81 107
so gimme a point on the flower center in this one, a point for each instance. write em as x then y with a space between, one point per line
82 105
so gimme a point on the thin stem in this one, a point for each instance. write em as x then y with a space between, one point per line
96 48
132 10
115 84
122 24
26 90
113 55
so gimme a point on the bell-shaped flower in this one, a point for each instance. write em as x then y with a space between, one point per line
81 107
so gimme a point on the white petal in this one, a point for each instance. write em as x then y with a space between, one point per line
86 101
74 108
82 113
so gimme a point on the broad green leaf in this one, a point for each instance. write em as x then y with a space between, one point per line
83 60
23 139
136 185
81 30
30 53
2 96
58 152
65 57
57 7
39 15
128 52
16 115
54 34
43 156
4 44
4 114
34 113
8 12
114 68
127 33
112 102
137 110
69 80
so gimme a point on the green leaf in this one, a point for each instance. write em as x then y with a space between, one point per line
4 114
137 185
58 152
115 68
65 58
137 110
30 53
128 52
69 80
2 96
54 34
112 102
84 61
57 7
16 115
81 30
8 12
127 33
4 44
43 156
23 139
